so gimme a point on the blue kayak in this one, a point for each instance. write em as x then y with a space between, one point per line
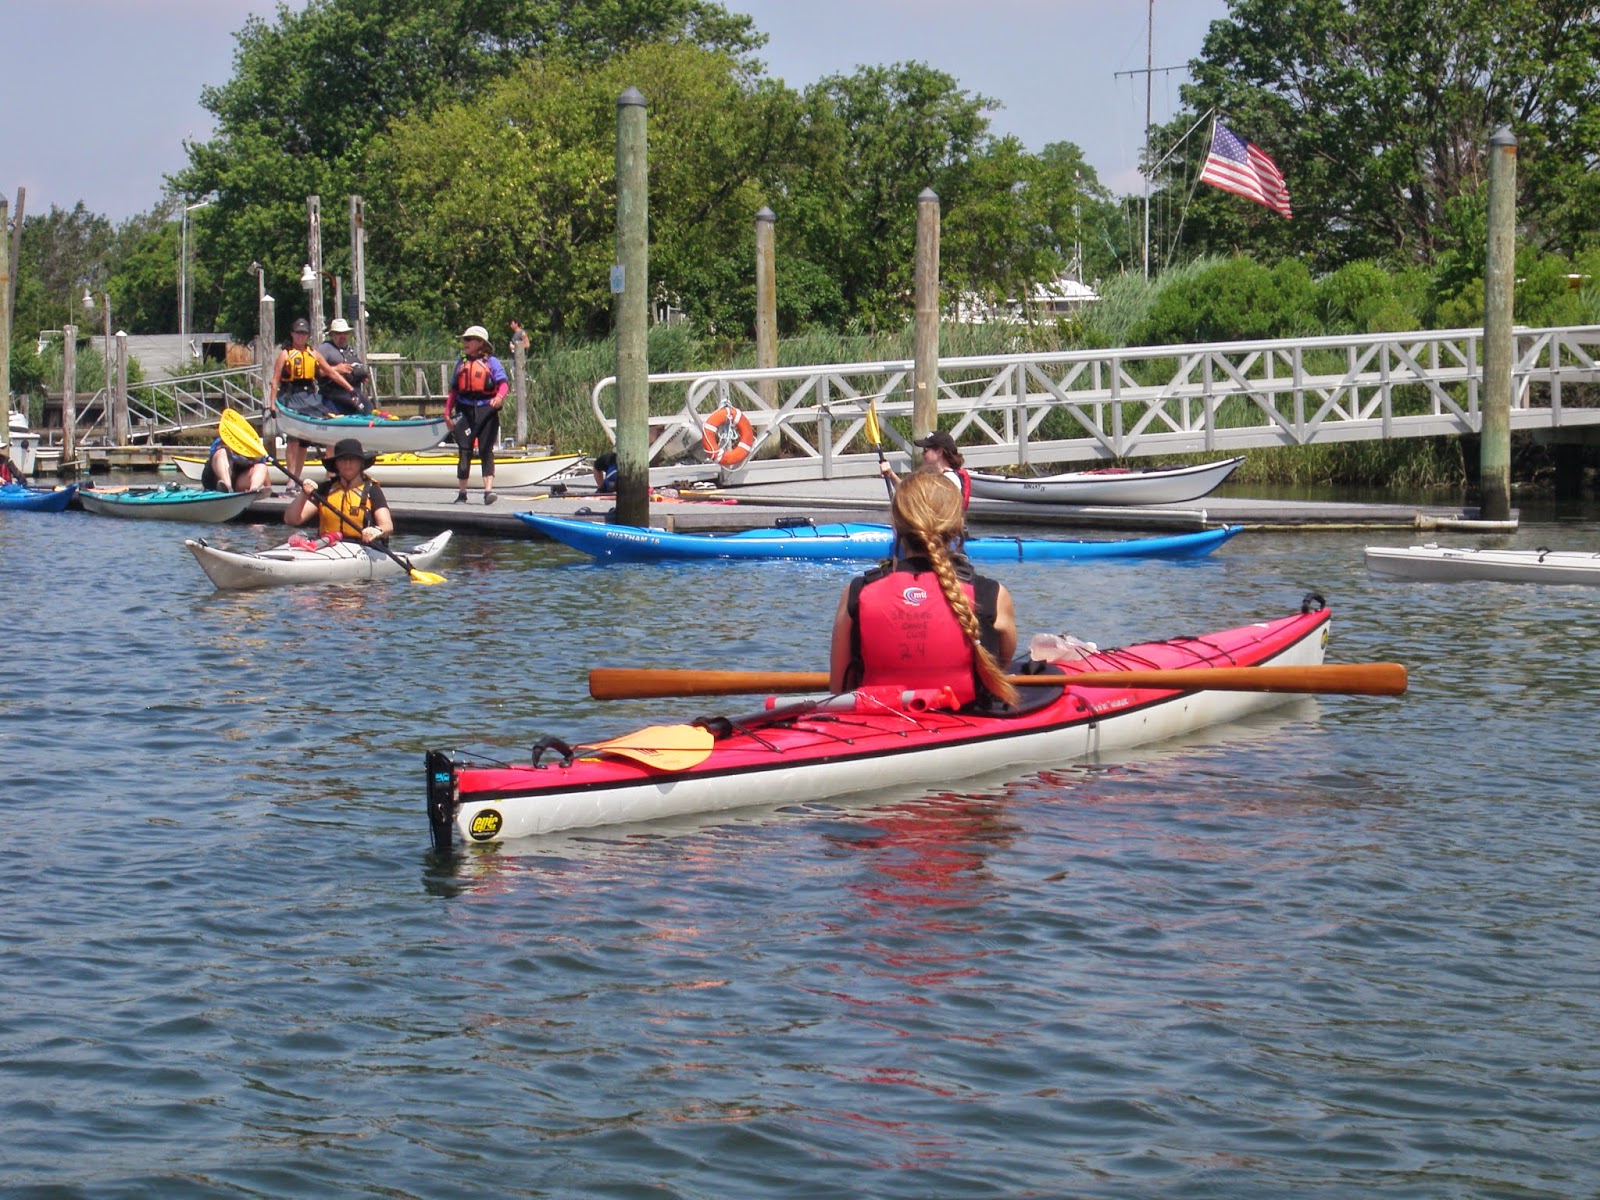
850 542
31 499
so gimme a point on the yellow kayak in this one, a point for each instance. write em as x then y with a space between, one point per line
428 469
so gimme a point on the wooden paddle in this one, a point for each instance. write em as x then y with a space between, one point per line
875 436
1345 679
660 747
243 440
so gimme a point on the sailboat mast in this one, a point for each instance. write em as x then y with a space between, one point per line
1149 74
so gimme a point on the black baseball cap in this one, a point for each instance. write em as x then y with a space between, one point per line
938 440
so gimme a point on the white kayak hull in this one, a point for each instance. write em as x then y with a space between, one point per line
342 562
1444 564
166 504
512 472
377 435
1159 485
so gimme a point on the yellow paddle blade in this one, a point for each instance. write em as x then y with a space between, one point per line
874 434
418 575
238 435
661 747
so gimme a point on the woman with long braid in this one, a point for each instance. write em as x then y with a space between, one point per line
923 619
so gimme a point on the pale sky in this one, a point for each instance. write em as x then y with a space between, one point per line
99 95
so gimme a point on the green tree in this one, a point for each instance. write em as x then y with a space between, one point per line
878 138
1379 113
502 206
313 88
63 251
1237 299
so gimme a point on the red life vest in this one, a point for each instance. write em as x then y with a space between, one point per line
474 379
905 633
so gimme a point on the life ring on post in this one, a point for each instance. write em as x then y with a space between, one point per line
728 438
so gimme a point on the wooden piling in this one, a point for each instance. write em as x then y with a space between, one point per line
314 261
767 301
123 424
630 284
925 372
69 394
1494 446
5 316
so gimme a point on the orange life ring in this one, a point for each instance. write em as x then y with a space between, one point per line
728 438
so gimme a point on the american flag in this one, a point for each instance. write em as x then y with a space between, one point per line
1236 166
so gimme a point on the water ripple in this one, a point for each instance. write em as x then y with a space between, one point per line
1340 949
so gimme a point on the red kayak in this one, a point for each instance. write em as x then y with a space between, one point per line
830 746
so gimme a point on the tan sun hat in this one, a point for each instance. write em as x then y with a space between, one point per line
479 332
338 325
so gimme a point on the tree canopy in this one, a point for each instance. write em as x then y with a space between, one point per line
1379 112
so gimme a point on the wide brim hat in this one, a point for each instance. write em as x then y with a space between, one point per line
338 325
348 448
938 440
479 332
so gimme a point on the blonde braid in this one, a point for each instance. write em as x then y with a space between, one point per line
928 508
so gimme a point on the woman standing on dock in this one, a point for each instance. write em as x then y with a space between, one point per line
477 391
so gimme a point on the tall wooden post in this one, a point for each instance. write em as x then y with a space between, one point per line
358 271
122 389
519 367
69 395
268 336
16 256
1499 280
630 284
925 372
314 261
767 301
115 421
5 317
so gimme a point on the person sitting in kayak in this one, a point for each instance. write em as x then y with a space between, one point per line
351 503
940 453
295 373
226 471
924 619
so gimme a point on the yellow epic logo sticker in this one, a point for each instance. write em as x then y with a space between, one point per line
485 824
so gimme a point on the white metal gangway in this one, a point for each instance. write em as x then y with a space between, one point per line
1094 405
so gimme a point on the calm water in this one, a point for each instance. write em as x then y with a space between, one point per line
1347 949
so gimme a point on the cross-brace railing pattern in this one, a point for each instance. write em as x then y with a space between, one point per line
1094 405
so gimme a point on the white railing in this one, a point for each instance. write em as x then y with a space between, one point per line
1088 405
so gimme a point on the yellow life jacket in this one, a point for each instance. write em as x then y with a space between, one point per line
350 501
299 368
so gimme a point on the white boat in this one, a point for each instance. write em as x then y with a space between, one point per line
1445 564
342 562
23 445
1112 486
377 435
512 472
166 503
